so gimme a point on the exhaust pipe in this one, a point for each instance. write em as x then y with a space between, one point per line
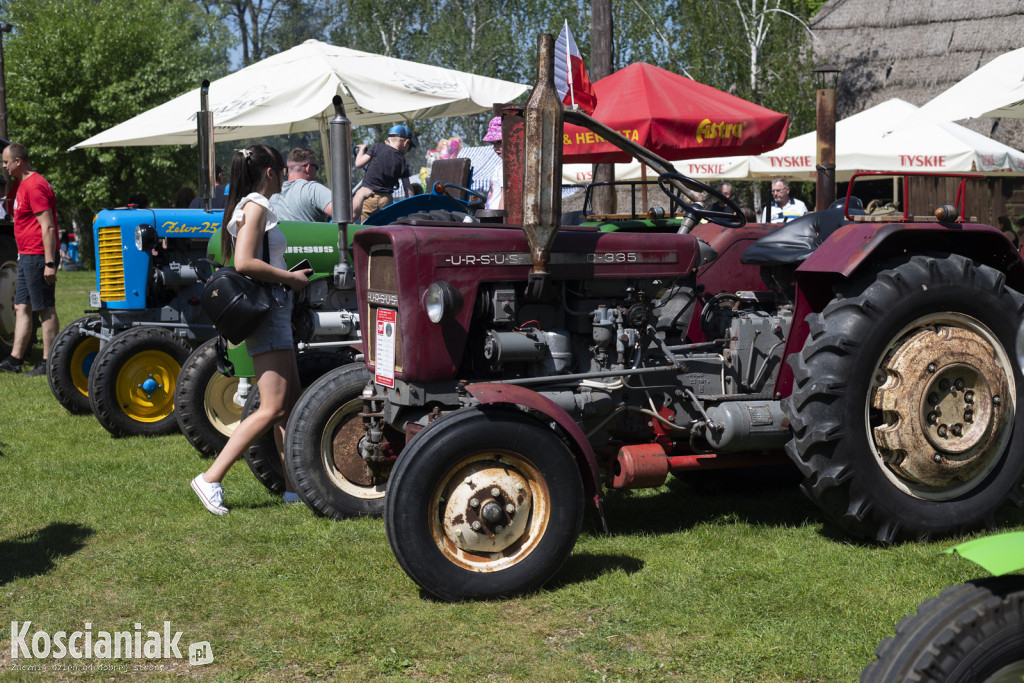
542 186
204 139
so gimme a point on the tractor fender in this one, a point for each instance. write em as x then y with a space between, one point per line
998 555
491 393
856 245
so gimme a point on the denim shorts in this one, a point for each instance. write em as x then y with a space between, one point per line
32 288
275 334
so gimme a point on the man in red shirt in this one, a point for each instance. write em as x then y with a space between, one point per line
35 231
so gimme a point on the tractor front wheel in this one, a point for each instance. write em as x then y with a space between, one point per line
204 401
8 282
131 385
72 353
906 403
321 449
483 504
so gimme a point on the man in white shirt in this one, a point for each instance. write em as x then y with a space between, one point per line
783 208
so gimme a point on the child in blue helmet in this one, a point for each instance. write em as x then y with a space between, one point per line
382 176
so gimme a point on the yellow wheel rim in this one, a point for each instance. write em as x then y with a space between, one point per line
145 386
219 403
81 363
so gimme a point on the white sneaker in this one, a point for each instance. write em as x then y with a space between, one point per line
291 497
211 495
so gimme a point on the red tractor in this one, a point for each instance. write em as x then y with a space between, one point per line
520 369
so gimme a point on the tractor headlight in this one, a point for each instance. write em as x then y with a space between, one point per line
442 301
145 237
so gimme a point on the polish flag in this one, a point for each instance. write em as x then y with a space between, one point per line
571 79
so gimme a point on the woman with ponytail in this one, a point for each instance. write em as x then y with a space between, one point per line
256 174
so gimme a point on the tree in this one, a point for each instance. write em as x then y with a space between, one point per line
75 69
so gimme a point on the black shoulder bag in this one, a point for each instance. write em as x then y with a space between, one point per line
235 303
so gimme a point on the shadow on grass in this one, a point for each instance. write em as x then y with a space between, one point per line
756 496
34 553
583 567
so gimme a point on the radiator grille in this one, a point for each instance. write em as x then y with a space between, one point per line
111 264
382 278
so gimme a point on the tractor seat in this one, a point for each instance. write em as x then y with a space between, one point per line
797 239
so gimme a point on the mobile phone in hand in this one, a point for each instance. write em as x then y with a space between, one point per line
301 265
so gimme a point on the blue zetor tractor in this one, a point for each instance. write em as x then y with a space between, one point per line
121 360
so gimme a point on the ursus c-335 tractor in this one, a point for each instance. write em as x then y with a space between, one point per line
517 372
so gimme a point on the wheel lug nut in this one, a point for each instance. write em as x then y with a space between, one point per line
968 416
474 503
958 429
476 526
959 384
936 458
510 508
519 487
931 367
495 492
969 397
491 513
943 430
944 384
498 529
933 417
995 400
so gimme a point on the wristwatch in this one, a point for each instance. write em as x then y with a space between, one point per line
50 264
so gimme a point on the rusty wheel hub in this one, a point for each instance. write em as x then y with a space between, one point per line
946 398
488 509
340 454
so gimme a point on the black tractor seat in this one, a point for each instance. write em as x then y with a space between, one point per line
797 239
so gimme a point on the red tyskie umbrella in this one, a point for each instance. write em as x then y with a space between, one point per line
674 117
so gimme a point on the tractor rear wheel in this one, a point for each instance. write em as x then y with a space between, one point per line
483 504
971 633
262 457
204 401
906 402
131 385
72 354
8 282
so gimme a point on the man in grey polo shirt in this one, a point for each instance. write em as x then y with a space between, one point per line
301 197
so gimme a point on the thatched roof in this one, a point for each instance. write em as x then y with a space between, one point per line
914 50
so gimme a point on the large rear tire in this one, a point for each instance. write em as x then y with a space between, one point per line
204 401
262 457
971 633
906 404
483 504
131 385
8 283
72 354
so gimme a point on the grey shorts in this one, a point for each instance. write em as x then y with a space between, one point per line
32 288
275 334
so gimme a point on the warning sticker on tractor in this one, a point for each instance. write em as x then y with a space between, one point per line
384 360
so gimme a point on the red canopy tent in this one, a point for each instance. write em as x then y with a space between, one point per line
674 117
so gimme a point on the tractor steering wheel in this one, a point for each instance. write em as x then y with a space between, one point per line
447 189
733 218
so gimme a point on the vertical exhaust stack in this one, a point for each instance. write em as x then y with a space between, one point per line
542 186
340 130
204 139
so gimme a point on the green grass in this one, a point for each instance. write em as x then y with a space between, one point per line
687 586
